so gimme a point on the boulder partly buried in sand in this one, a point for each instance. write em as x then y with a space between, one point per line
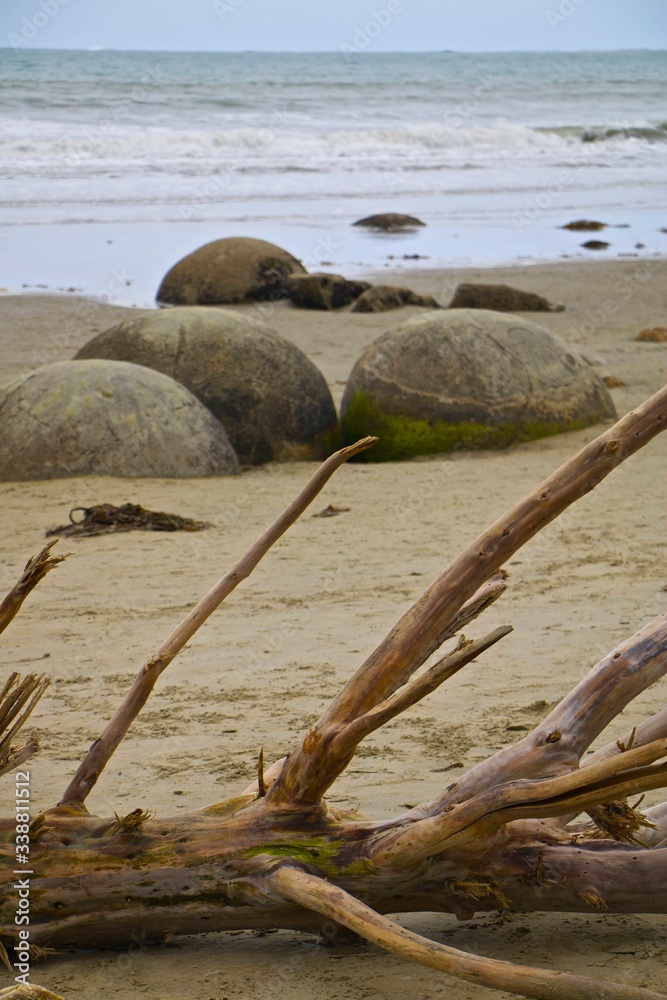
468 378
389 222
323 291
382 298
224 272
499 298
107 418
271 399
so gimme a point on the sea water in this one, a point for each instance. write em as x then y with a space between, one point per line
115 164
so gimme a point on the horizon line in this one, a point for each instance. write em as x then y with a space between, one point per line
338 51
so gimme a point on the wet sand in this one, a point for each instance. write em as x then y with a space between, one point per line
264 667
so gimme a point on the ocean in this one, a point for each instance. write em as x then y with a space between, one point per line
115 164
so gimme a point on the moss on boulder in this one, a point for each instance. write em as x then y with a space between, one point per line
468 379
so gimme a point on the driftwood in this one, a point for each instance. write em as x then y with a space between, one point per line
508 835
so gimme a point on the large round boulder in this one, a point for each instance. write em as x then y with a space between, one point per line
224 272
271 399
107 418
468 378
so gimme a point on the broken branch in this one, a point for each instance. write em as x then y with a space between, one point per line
538 984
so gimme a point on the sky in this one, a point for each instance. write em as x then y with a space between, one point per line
335 25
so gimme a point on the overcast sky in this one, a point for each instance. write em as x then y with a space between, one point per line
309 25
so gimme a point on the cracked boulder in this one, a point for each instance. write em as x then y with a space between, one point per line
466 378
229 271
107 418
272 400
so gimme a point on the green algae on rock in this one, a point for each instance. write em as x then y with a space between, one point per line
468 379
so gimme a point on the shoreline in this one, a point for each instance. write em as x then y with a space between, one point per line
124 262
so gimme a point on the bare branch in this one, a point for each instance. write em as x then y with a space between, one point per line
417 689
539 984
484 813
35 570
102 749
29 992
308 772
578 719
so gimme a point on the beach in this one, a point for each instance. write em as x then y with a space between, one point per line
265 666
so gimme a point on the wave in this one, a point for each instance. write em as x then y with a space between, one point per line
307 148
656 133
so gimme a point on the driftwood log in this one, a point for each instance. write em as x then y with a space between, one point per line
537 826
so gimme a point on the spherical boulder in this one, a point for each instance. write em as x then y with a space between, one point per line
271 399
389 222
468 378
224 272
107 418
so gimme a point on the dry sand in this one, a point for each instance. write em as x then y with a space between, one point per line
262 669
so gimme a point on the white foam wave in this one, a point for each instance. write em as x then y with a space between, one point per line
59 150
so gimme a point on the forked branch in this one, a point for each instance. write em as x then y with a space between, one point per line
558 743
102 749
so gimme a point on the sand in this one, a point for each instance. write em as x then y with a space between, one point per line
264 667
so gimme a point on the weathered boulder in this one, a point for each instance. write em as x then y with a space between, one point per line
271 399
389 222
468 378
382 298
500 298
236 269
323 291
107 418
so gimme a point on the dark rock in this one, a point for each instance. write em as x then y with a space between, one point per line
595 245
382 298
654 334
107 418
323 291
272 400
500 298
233 270
389 222
585 226
468 378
